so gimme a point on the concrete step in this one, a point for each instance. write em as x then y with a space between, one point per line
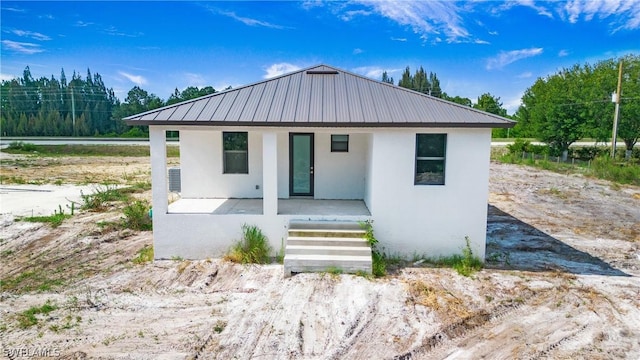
328 250
326 241
325 225
294 263
315 232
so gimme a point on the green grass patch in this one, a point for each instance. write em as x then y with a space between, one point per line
136 216
145 255
253 248
28 318
465 264
100 199
54 220
30 281
86 150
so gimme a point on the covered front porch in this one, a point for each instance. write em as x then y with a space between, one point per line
307 207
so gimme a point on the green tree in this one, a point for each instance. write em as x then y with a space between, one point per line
491 104
386 78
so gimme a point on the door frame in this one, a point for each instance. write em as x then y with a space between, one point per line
311 162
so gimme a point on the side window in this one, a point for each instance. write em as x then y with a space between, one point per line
431 152
339 143
235 153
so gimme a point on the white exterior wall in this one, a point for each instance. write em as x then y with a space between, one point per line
340 175
430 220
201 167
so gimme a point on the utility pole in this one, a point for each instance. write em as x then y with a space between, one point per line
618 95
73 112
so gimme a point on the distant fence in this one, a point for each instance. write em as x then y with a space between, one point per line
556 159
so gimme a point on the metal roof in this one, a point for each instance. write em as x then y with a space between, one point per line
321 96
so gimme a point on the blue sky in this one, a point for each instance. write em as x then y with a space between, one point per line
473 47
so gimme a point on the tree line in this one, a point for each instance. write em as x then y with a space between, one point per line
558 109
79 107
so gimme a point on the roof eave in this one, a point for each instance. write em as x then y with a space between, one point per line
509 124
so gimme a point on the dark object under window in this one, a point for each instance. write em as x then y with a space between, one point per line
235 153
339 143
430 159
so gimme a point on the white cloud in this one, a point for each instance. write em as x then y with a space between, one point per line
425 18
136 79
494 33
541 10
22 47
12 9
80 23
194 79
279 69
481 42
31 34
249 21
525 75
350 14
399 39
374 72
505 58
7 77
563 53
357 51
111 30
512 104
624 14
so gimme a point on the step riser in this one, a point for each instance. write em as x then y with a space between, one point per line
319 265
336 234
328 243
323 268
351 252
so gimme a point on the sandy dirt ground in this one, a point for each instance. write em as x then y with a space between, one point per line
562 282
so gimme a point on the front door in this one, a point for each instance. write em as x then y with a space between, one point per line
301 164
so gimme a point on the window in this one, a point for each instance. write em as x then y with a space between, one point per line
235 153
430 158
339 143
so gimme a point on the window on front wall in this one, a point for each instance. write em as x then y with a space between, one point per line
339 143
235 159
430 159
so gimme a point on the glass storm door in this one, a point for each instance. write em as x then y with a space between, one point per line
301 164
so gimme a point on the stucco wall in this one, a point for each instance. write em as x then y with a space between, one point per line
432 220
201 167
340 175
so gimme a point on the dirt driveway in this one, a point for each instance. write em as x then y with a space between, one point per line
562 281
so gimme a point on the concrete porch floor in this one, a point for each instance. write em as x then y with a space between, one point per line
254 207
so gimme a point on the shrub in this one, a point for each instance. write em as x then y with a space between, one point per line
465 264
378 260
20 146
604 168
136 216
102 196
253 248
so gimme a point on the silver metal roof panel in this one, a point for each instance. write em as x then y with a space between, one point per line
320 96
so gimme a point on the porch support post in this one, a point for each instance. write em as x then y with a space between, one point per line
269 173
158 147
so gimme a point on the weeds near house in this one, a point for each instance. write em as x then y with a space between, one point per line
254 247
54 220
27 318
144 255
378 261
136 216
102 196
465 264
446 304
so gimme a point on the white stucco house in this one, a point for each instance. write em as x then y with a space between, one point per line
326 145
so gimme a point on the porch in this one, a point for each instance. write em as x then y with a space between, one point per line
292 206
